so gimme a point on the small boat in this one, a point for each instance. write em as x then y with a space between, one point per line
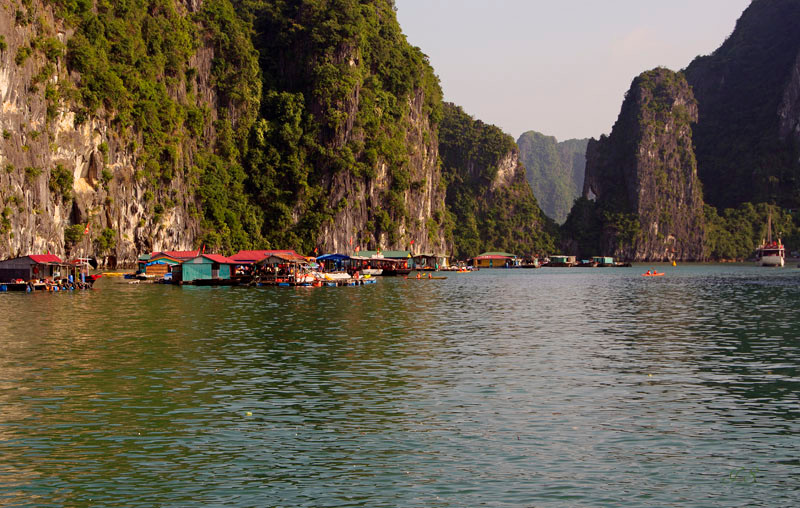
653 274
770 253
427 277
91 279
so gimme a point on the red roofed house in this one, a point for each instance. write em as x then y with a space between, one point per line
248 257
35 266
203 267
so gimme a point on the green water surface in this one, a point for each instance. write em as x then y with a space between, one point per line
549 387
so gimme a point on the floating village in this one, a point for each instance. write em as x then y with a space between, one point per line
47 272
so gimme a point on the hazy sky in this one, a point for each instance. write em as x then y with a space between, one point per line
560 67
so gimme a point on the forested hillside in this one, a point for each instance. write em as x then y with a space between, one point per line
748 93
555 171
490 202
155 124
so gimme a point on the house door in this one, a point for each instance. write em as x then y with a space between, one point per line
215 270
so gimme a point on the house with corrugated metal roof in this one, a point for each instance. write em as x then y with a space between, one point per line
34 266
249 257
180 255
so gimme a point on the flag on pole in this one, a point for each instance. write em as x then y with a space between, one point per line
86 229
358 248
351 240
412 242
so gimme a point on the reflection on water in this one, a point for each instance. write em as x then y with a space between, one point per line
502 388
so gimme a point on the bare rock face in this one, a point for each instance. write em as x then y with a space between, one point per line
42 143
364 200
789 108
644 175
747 138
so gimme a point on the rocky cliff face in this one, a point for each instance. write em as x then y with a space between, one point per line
359 165
421 201
64 171
267 124
643 176
748 91
492 205
555 171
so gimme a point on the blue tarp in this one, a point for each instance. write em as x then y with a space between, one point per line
159 262
333 257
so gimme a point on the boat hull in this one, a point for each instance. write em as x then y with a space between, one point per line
776 261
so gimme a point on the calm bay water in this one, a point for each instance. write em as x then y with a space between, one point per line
550 387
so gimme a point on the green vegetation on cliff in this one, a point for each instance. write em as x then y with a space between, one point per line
648 198
487 217
263 123
735 234
555 171
746 150
338 80
134 60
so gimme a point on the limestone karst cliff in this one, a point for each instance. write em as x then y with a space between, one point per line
748 93
642 198
66 166
359 166
225 123
555 171
491 205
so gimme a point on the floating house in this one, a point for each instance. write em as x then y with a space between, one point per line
34 266
429 262
334 262
141 262
203 268
160 265
603 260
390 262
494 260
386 254
564 261
180 255
249 257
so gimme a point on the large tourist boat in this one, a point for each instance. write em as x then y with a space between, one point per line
770 253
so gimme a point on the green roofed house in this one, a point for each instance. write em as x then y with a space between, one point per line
142 262
203 269
603 260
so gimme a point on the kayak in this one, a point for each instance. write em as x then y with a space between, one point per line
657 274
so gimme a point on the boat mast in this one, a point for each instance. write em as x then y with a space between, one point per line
769 227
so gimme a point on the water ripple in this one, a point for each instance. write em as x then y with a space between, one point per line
550 387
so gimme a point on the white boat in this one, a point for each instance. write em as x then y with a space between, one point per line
770 253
